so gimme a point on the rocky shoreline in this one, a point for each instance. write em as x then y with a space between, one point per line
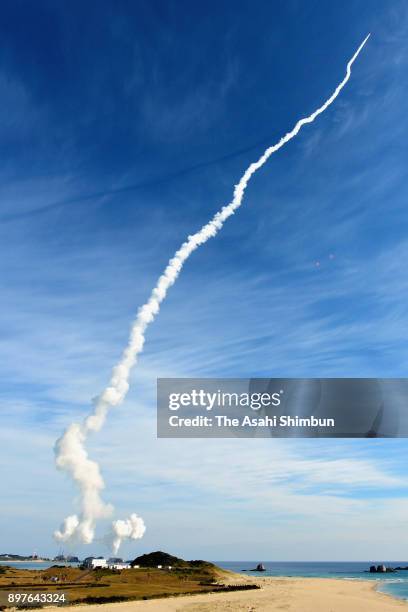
383 569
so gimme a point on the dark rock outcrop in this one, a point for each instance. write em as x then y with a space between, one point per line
259 568
382 569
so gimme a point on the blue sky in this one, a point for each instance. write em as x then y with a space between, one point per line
123 128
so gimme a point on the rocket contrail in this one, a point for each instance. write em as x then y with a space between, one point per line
71 455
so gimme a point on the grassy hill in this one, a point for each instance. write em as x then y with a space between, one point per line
105 585
158 557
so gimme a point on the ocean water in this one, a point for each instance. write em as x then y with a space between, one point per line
35 565
392 584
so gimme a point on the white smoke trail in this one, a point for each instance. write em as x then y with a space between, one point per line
71 455
132 529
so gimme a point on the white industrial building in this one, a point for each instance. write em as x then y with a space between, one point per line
101 562
117 563
93 563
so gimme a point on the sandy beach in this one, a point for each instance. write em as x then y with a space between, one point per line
276 595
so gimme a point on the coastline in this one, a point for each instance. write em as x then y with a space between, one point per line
8 561
275 595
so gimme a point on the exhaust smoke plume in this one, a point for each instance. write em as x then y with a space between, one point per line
131 529
70 452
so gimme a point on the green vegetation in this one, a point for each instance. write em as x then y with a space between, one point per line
154 559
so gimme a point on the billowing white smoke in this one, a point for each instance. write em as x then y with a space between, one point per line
71 455
131 529
68 528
